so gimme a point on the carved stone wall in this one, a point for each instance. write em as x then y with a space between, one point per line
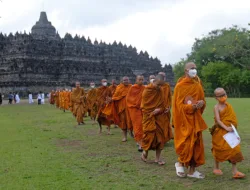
44 59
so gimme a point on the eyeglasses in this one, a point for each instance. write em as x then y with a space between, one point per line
221 96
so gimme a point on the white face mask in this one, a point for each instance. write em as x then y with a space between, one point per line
192 73
152 80
104 83
92 86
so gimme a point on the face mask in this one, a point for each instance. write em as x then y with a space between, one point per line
104 83
152 80
222 99
92 86
192 73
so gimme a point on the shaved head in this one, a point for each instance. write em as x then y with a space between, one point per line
113 81
163 74
125 80
151 77
159 80
218 92
77 84
104 80
190 65
139 79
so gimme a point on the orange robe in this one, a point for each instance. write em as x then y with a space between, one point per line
57 99
113 88
168 104
77 99
70 102
91 100
155 127
119 109
52 98
134 98
220 148
66 100
188 123
102 94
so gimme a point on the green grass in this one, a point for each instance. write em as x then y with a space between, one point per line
41 149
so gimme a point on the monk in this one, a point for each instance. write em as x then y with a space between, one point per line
91 99
77 100
66 99
188 106
120 112
113 86
104 97
151 79
57 99
154 122
168 103
52 97
134 98
224 117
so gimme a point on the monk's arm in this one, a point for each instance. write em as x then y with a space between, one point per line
217 118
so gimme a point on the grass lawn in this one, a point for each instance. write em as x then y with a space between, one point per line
40 148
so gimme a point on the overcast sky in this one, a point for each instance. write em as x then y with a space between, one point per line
165 28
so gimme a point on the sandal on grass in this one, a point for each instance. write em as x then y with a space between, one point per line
238 175
197 175
160 163
217 172
179 170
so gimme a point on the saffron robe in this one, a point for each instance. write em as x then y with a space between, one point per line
155 127
188 123
91 100
103 93
220 148
133 99
119 107
77 100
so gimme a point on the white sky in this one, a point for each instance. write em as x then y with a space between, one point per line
165 28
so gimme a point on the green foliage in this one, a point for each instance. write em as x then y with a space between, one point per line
223 59
178 70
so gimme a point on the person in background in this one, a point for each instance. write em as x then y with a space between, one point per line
1 99
11 96
39 98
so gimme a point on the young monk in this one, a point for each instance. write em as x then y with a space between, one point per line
133 99
224 117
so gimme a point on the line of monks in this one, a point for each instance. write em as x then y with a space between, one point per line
145 113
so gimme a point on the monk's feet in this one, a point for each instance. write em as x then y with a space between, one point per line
124 140
160 163
109 133
180 170
217 172
82 123
144 156
116 126
197 175
238 175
